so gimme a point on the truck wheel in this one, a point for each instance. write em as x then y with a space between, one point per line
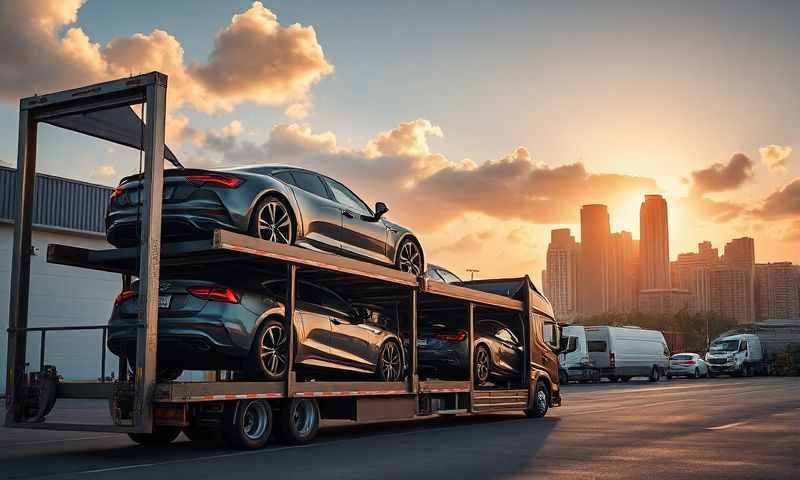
247 424
161 435
655 375
298 421
541 401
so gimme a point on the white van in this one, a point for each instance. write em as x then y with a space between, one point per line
736 355
620 353
575 364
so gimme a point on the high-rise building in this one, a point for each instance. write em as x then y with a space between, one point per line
622 273
654 243
595 235
692 272
739 255
776 292
665 301
731 293
560 279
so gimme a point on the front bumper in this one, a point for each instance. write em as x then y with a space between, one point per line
582 373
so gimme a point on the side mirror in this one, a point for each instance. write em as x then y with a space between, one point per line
380 210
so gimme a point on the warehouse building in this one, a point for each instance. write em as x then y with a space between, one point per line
73 213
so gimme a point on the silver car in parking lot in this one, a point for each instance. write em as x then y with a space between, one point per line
689 365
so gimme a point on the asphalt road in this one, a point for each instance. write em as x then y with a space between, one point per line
719 428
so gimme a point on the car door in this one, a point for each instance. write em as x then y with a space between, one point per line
321 216
362 235
313 328
509 351
353 343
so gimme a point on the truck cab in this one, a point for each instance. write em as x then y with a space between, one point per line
736 355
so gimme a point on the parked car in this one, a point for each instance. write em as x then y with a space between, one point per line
687 365
497 355
277 203
736 355
574 362
441 274
621 353
203 325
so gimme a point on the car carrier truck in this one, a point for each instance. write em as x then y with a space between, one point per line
246 412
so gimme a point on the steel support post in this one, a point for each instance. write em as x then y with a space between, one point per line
471 345
291 296
412 370
21 267
150 254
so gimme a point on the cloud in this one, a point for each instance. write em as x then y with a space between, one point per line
720 177
792 232
298 110
704 208
782 203
104 171
398 166
775 156
255 59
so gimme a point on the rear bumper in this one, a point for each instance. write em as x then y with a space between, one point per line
441 362
124 231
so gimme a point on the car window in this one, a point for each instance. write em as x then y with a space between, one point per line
682 357
347 198
548 333
310 183
505 334
596 346
434 275
285 176
323 298
449 277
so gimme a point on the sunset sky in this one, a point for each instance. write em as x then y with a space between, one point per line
482 127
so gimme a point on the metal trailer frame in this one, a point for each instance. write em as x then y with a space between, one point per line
150 259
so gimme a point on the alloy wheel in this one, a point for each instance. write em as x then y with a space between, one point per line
482 365
390 362
274 357
275 222
410 258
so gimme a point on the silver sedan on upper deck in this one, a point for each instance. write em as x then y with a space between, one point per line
278 203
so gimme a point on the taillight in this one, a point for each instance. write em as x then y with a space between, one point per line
690 362
123 296
611 361
458 336
215 294
116 192
214 179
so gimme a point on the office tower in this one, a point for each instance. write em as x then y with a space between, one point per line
776 292
654 243
739 254
692 272
595 233
665 301
731 293
622 273
560 278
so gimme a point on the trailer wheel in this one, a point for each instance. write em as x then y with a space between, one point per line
298 421
541 401
248 424
161 435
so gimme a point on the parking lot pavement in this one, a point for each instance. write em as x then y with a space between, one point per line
718 428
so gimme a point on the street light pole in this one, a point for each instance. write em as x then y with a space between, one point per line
472 272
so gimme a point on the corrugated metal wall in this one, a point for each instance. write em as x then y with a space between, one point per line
59 202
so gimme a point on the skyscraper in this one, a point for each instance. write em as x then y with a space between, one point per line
622 273
653 243
692 272
776 292
561 276
595 235
739 255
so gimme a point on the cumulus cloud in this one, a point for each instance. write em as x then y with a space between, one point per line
704 208
782 203
720 177
775 156
792 232
398 166
104 171
255 58
298 110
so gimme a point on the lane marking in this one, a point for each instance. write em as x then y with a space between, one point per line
41 442
659 389
725 427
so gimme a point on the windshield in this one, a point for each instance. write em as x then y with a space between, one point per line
725 346
682 356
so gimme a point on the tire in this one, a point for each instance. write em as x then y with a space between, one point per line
563 378
625 379
247 424
483 365
410 257
169 374
655 375
613 379
273 220
541 401
696 374
669 376
390 362
161 435
269 353
298 421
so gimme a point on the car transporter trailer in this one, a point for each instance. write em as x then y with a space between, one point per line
155 411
